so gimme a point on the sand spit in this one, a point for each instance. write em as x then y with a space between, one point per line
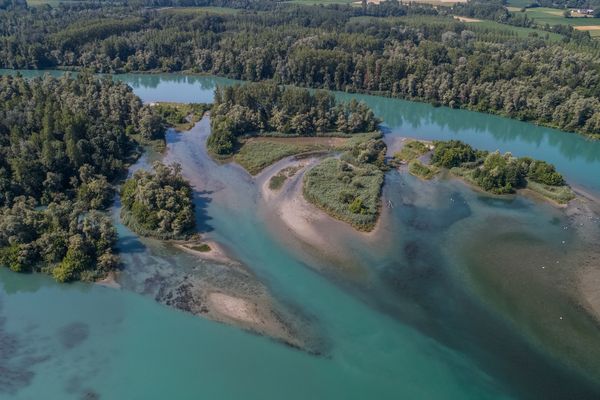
224 292
308 230
216 252
110 281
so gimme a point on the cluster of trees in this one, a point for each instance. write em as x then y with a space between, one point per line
62 141
424 55
494 10
62 239
267 107
159 203
495 172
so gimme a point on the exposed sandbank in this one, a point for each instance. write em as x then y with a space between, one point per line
216 252
309 230
109 281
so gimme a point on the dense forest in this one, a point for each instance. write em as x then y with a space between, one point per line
268 108
62 141
410 51
158 203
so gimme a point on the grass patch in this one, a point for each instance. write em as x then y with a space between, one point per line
276 182
203 248
555 16
560 194
255 155
411 150
347 192
420 170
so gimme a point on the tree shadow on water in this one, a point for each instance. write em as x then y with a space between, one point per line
201 200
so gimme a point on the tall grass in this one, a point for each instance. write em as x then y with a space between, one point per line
346 192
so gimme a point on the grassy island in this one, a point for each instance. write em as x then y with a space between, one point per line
159 203
349 188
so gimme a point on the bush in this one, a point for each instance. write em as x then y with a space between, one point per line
420 170
411 151
452 154
543 172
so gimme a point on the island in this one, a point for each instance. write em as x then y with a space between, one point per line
492 172
159 203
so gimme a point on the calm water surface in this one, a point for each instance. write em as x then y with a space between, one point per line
453 310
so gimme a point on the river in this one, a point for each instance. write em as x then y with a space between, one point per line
457 305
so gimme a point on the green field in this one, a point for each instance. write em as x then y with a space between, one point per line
555 16
489 30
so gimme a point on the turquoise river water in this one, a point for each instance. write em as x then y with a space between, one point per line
455 304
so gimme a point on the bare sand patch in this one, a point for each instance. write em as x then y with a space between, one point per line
587 27
235 308
110 281
216 252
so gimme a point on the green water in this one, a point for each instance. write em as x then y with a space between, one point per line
453 309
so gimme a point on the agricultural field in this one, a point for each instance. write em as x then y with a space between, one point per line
357 3
555 16
483 28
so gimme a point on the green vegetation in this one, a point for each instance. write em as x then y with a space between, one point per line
158 203
510 64
203 248
62 143
62 239
453 153
346 192
276 182
181 116
418 169
265 107
501 173
255 156
410 151
349 188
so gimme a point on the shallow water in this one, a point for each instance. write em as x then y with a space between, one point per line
457 307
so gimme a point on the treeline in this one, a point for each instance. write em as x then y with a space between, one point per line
267 107
494 10
158 203
424 55
62 141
